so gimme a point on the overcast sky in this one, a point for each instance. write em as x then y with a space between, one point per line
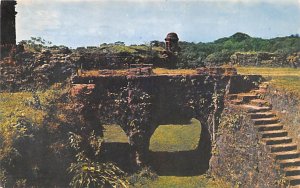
92 22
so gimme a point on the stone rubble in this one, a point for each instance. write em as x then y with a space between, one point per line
35 70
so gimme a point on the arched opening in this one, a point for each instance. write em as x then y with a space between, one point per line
115 146
176 137
177 149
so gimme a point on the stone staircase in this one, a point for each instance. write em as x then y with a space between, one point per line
272 133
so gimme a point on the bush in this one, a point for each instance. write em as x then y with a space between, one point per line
143 176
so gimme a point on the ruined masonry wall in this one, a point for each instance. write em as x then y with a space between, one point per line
140 103
239 157
35 70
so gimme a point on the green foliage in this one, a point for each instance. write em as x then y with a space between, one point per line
36 44
28 137
219 51
94 174
34 143
192 54
88 172
144 176
218 58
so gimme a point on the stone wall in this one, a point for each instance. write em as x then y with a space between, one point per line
140 103
287 106
259 59
28 71
239 157
102 58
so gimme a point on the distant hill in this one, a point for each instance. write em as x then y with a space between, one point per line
220 51
237 37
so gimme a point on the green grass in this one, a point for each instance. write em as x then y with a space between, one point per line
268 71
165 138
184 182
281 78
174 71
13 106
114 133
176 137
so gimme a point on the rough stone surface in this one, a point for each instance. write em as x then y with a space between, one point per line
140 103
259 59
239 156
287 106
35 70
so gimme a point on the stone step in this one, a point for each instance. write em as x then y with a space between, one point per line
289 162
286 154
259 91
269 127
231 96
274 133
264 121
254 109
259 102
263 87
277 140
283 147
236 101
262 115
294 180
292 171
246 97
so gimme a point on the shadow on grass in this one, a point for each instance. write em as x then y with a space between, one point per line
187 160
117 153
181 163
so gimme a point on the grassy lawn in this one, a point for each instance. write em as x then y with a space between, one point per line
176 137
162 71
157 71
13 106
170 138
283 78
20 104
114 133
267 71
184 182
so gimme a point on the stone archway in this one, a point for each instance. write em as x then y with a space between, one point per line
140 103
175 150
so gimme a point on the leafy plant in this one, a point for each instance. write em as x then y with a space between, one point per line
91 173
95 174
143 176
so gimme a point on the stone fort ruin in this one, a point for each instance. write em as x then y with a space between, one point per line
140 102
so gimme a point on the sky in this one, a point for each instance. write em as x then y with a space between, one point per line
77 23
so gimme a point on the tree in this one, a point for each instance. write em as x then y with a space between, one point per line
35 44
